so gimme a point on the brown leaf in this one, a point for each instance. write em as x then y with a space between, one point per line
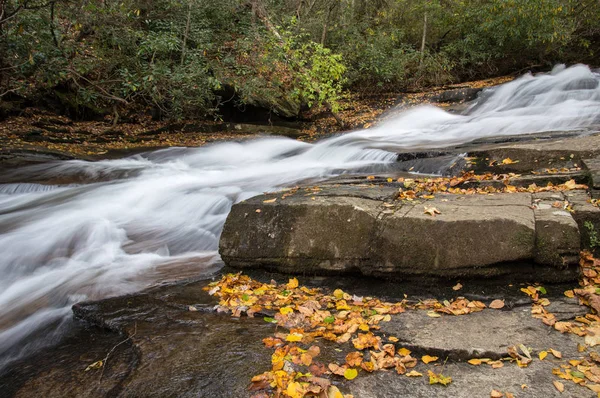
558 385
497 304
354 358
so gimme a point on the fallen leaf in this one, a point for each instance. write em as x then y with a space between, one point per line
350 374
354 358
95 365
497 304
557 354
292 284
286 310
456 287
427 358
496 394
431 211
393 339
292 337
295 390
414 373
270 200
403 352
542 355
433 314
334 392
558 385
438 378
337 369
475 361
509 161
258 210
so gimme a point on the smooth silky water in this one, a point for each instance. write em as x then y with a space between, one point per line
117 226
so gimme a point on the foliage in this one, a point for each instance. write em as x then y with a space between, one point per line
593 235
184 58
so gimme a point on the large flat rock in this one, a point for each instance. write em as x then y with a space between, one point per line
490 333
358 227
471 231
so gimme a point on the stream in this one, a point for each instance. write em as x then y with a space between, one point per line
77 230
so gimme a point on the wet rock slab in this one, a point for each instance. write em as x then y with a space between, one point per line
166 351
357 228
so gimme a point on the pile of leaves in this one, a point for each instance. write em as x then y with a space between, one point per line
308 314
426 188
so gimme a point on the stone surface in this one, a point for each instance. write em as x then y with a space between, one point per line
300 233
471 231
587 217
557 234
490 333
467 382
593 165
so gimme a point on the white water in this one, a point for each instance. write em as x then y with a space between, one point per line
137 221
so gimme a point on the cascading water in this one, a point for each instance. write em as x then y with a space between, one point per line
121 225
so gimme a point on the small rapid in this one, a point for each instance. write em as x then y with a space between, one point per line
117 226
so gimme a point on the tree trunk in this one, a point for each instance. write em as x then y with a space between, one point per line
424 36
54 39
325 24
187 31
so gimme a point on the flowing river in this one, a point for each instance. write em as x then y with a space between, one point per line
98 229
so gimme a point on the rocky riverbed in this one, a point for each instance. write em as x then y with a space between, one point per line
406 259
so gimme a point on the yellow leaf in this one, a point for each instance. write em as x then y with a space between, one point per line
456 287
571 184
270 200
350 373
95 365
414 373
496 394
338 293
390 179
393 339
293 283
542 355
403 352
474 361
569 294
292 337
433 314
295 390
558 385
286 310
438 378
364 327
427 358
509 161
557 354
594 387
334 392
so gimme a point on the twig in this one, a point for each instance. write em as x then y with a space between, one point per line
8 91
105 360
